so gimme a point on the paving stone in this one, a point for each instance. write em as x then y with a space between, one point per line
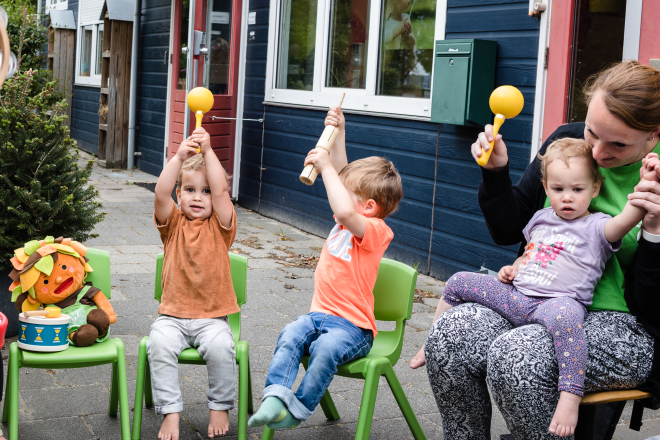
139 249
256 263
35 379
130 268
144 259
69 428
136 307
67 401
140 325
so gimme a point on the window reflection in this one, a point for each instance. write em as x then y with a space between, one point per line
297 45
407 37
86 52
348 44
218 38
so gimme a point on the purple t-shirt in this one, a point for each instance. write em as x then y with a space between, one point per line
564 257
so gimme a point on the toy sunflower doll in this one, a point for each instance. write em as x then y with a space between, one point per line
51 273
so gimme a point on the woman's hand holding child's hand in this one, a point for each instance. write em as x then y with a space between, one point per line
335 117
186 150
319 158
202 138
650 167
507 274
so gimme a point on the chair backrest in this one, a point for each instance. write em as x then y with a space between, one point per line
238 279
100 276
394 293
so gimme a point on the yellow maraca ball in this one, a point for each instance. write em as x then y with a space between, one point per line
506 101
200 99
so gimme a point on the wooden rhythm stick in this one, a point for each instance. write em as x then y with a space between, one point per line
308 176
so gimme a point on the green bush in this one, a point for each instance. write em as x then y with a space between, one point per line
43 191
35 36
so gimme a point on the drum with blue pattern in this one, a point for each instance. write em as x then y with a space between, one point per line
38 333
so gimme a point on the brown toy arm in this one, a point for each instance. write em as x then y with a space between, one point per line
103 304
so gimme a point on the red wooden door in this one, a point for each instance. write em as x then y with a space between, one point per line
217 70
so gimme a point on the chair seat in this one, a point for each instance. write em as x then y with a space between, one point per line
613 396
97 354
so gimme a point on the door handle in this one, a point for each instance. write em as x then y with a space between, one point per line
165 57
184 50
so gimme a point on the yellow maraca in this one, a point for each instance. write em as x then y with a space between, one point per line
506 102
200 101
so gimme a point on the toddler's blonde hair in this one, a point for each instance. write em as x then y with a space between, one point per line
565 149
374 178
193 164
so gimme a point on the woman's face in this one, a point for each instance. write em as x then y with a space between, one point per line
614 142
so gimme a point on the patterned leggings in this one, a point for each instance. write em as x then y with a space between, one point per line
470 345
563 317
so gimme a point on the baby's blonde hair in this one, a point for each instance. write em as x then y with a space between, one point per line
374 178
565 149
193 164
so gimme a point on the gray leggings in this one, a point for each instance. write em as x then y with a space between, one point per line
470 345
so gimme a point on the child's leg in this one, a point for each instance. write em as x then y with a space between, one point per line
215 343
340 342
487 290
292 343
166 341
563 317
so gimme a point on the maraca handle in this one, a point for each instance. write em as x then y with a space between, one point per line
485 155
198 123
36 313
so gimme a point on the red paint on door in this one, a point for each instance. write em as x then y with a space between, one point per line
649 43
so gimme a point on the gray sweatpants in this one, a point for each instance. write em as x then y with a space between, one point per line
213 340
471 345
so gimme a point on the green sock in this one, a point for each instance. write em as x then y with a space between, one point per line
287 422
271 410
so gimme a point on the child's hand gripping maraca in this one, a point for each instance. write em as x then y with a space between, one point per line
200 101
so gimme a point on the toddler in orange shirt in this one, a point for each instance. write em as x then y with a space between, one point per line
197 290
341 325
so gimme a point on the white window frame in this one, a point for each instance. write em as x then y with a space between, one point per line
94 79
357 100
56 4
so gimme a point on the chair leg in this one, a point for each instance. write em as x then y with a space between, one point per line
250 408
8 393
13 398
114 392
586 427
148 392
268 433
402 400
373 371
328 407
242 356
122 385
139 389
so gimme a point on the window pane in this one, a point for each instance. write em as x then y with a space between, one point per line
219 45
183 42
405 62
297 44
99 50
347 57
86 52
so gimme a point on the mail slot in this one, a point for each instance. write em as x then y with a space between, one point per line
463 79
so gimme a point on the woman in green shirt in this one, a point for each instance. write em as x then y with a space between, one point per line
471 344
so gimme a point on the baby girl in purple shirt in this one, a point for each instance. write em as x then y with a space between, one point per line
553 281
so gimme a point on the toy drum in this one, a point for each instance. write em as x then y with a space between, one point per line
38 333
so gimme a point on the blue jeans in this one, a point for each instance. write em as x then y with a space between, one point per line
330 341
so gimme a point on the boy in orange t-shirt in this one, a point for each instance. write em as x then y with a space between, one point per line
197 290
340 326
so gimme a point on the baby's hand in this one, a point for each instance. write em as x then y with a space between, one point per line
319 158
335 117
186 150
201 137
650 167
407 27
507 274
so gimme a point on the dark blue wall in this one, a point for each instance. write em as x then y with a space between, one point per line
457 238
152 88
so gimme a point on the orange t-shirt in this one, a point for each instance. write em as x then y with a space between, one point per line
196 271
347 271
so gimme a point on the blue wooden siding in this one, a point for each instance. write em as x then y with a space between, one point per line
152 84
85 117
450 229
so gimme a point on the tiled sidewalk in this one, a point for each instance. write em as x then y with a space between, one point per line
72 404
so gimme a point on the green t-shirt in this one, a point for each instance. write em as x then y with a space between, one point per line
618 183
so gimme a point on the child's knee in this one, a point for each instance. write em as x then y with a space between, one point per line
294 331
161 345
220 347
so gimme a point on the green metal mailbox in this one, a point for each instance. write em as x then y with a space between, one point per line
463 79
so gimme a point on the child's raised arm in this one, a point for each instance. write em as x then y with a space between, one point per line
215 174
338 153
163 203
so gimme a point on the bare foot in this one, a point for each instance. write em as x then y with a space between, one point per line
418 360
218 423
566 415
169 429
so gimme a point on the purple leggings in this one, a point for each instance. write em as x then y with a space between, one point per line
562 316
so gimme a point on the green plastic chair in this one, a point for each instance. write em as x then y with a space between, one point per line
393 299
191 356
107 352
